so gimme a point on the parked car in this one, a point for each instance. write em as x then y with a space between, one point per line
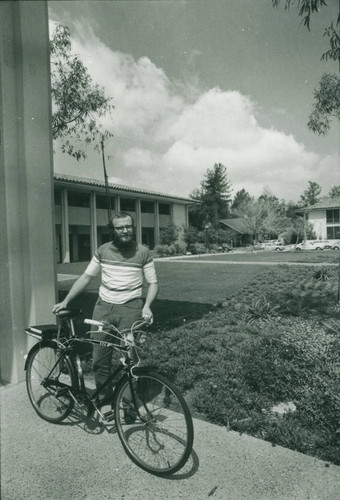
313 245
336 245
305 245
272 245
322 245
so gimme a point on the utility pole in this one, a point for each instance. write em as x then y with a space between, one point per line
107 188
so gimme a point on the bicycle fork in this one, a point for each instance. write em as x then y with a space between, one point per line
134 396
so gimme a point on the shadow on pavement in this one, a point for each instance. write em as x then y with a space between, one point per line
93 425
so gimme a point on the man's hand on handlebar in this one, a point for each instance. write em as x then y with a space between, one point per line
147 314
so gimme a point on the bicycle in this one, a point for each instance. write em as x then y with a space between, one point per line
152 419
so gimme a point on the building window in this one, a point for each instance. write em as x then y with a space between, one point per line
78 199
127 205
102 202
148 237
333 215
147 207
103 235
79 243
333 232
164 209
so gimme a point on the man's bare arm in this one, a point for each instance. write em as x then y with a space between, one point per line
77 287
150 297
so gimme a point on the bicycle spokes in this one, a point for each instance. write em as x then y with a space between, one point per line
160 435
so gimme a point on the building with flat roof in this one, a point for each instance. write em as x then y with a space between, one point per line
81 214
325 218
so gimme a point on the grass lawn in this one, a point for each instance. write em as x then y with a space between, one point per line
187 291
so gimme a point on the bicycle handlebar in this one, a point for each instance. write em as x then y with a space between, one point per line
93 322
136 324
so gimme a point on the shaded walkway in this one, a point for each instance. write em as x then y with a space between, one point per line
59 462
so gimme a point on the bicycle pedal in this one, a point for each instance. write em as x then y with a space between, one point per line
109 415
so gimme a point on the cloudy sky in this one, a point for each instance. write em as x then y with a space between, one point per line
196 83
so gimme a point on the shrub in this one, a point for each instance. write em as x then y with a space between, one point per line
190 235
169 234
298 293
163 250
322 274
214 248
197 248
169 250
260 309
180 248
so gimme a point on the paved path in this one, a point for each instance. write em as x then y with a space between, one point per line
72 462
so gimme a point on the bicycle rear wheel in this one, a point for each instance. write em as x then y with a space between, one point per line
48 378
156 430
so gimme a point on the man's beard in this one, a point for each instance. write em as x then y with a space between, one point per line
120 243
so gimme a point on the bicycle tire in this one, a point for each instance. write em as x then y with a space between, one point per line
40 361
162 442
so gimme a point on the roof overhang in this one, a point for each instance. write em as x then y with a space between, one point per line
99 186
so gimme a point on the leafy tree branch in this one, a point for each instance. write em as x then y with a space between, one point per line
327 96
77 102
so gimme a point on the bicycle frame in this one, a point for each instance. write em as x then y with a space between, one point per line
151 417
68 346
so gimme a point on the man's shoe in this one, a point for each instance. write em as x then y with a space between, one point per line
130 414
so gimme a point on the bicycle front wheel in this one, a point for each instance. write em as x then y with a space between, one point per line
153 422
48 379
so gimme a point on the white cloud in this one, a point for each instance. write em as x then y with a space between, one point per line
166 141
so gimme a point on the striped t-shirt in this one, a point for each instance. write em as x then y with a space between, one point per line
122 272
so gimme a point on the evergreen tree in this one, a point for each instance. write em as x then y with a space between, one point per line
213 197
241 197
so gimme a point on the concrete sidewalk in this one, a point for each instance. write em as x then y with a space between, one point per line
70 461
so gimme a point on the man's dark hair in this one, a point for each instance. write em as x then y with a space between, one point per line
120 215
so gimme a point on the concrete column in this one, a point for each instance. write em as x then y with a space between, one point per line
75 247
93 217
138 221
65 239
27 226
156 208
186 216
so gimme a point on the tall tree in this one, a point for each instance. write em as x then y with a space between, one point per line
275 215
241 197
266 217
77 102
334 192
311 195
326 105
253 212
213 197
327 96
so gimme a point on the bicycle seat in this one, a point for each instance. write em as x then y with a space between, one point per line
68 313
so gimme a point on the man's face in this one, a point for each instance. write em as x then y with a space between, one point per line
123 231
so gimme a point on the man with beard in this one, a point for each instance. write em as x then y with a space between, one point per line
123 264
